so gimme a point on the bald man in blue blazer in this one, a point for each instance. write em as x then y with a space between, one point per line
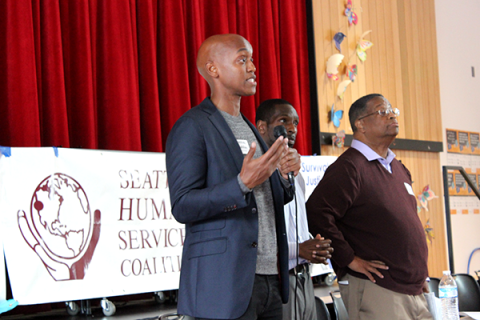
229 190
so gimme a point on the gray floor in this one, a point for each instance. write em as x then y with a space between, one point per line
146 309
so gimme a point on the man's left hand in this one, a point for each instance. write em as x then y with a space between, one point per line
290 162
316 250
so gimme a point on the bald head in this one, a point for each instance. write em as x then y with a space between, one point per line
213 49
226 62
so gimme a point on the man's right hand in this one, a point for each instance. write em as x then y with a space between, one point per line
368 267
255 171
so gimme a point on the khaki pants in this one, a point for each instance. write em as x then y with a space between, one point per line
365 300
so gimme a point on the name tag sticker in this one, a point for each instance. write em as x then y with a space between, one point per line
243 145
409 189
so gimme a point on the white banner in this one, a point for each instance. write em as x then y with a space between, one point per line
313 169
82 224
3 284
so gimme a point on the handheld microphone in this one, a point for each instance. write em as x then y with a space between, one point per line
282 131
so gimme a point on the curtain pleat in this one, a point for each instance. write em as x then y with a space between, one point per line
148 76
118 106
80 83
292 66
50 74
117 74
19 108
172 56
268 52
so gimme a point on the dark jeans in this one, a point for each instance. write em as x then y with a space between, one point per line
266 302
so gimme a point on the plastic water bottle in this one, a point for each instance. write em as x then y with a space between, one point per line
448 294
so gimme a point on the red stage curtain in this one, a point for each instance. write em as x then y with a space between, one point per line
117 74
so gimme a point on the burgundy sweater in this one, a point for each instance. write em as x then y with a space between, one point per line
368 212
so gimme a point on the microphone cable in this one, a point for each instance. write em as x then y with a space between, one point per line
297 250
278 131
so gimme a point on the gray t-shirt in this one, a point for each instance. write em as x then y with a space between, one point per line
267 237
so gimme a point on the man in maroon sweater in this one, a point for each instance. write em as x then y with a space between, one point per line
366 205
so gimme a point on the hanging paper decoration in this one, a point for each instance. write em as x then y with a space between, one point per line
352 17
342 87
338 38
429 232
335 116
332 65
338 140
426 195
419 209
363 45
352 72
423 202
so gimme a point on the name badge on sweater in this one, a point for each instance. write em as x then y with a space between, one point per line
409 189
243 145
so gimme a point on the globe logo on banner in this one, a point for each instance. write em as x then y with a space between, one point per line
61 227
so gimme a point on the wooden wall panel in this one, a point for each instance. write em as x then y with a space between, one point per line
402 64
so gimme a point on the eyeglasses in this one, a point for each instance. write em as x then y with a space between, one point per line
383 113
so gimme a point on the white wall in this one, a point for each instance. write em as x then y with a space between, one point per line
458 40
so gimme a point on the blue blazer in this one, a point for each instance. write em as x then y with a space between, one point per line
219 256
